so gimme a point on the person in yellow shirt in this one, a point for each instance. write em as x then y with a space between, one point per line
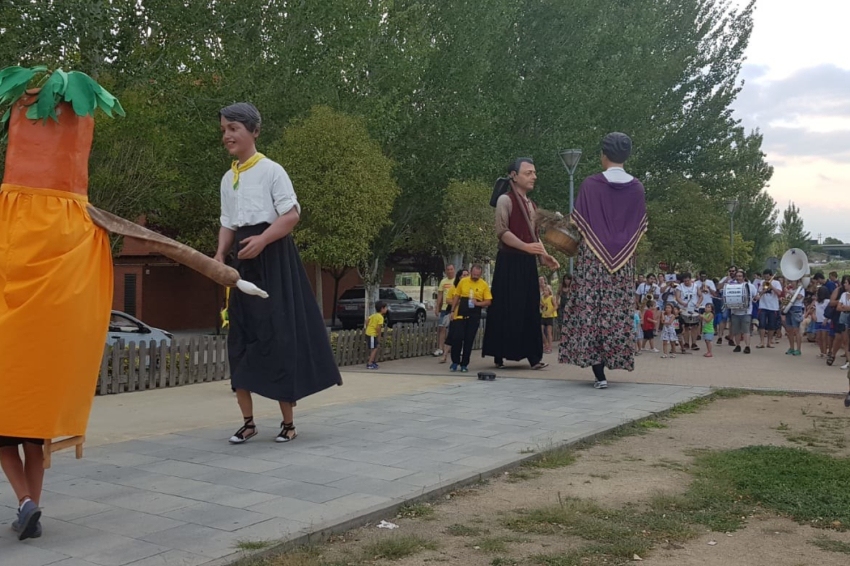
443 310
548 312
374 327
470 296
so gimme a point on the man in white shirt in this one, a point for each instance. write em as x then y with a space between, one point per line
741 317
649 287
722 316
768 299
689 303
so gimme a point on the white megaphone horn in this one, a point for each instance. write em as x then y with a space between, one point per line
795 265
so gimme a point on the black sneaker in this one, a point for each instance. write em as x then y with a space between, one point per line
747 350
720 341
847 400
737 349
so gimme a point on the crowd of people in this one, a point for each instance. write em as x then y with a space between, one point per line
677 313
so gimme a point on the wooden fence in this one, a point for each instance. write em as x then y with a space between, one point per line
149 365
399 342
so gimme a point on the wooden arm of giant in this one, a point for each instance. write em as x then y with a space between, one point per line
181 253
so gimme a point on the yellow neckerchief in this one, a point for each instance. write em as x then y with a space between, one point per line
236 168
225 317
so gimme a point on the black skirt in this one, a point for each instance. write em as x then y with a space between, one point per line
278 347
513 331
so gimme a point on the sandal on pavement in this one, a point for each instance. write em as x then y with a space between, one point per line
541 365
248 430
284 435
760 346
708 355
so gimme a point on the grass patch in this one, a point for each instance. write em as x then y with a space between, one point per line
302 557
249 545
830 545
650 424
552 459
807 486
503 562
458 530
397 547
497 544
416 511
520 474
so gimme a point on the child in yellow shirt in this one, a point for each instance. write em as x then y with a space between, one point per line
374 326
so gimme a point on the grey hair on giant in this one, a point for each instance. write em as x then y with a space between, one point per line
243 112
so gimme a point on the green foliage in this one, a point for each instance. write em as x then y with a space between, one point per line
468 221
684 227
396 547
831 240
449 91
344 184
791 232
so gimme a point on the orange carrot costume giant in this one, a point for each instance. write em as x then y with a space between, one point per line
55 260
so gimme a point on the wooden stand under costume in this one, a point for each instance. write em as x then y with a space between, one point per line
56 270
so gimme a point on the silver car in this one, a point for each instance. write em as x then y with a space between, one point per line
124 327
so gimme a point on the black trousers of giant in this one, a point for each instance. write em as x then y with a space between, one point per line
513 331
461 338
278 347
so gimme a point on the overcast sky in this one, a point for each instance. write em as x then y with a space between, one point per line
797 92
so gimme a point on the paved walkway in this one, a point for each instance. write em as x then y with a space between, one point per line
146 495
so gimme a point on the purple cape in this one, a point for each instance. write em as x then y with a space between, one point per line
611 217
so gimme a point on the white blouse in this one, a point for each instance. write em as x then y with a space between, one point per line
265 192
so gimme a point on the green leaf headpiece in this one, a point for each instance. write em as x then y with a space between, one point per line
76 88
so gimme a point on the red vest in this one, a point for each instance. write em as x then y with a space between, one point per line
518 223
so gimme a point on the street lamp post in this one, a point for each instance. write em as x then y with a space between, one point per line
731 205
570 159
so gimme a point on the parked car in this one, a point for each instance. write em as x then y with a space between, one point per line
124 327
400 308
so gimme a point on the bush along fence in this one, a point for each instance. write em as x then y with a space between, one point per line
150 365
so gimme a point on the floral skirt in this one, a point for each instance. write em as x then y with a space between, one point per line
598 319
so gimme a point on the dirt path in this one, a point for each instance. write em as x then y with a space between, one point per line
478 526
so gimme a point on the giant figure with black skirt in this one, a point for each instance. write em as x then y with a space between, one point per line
277 347
513 331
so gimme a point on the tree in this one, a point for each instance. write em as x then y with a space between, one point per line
345 186
791 229
830 240
468 227
683 228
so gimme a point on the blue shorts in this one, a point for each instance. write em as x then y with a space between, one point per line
445 318
721 315
794 317
708 337
768 320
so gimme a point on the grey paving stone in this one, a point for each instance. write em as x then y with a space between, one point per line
128 523
94 490
196 539
149 502
303 491
364 469
73 562
217 516
298 510
14 553
183 454
64 507
173 558
309 474
124 459
76 541
374 486
186 470
278 528
126 552
241 464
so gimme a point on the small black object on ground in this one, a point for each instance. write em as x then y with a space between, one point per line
486 376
